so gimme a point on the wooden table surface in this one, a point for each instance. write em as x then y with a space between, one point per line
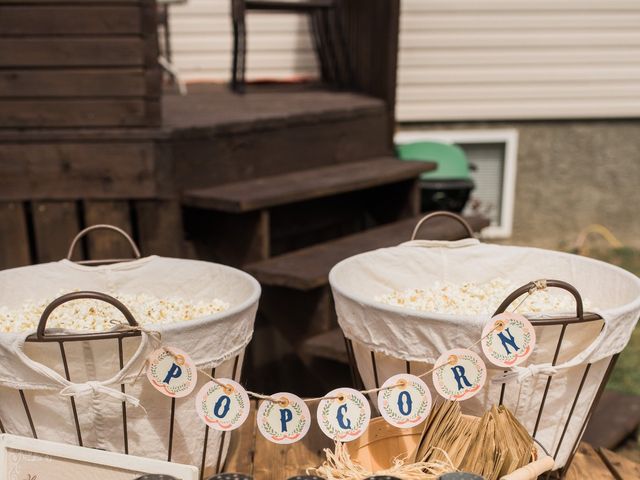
251 453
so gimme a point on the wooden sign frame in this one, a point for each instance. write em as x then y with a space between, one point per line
23 458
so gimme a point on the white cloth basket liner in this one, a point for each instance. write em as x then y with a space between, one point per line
402 339
215 343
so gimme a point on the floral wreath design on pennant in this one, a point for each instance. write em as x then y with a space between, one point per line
512 359
339 434
216 421
453 394
173 392
509 359
416 417
279 436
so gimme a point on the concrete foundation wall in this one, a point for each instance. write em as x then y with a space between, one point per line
571 174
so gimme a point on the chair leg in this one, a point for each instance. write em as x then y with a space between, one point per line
333 51
344 49
166 32
238 60
319 43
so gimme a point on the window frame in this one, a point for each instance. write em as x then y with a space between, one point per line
509 137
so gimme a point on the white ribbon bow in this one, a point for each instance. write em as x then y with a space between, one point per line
93 387
520 374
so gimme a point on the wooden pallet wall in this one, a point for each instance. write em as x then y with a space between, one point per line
41 231
373 26
79 64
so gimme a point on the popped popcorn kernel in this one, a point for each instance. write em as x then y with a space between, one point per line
95 315
471 298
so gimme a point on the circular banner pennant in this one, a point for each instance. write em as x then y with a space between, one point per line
284 421
223 407
172 372
404 400
345 417
460 374
508 339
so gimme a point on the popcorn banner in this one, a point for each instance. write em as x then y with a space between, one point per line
404 401
172 372
223 404
343 414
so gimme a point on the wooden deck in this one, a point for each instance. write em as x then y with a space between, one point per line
251 453
209 108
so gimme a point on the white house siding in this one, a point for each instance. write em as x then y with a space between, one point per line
518 59
279 45
458 59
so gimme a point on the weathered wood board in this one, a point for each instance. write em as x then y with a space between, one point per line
78 64
251 453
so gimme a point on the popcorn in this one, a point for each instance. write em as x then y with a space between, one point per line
96 315
478 299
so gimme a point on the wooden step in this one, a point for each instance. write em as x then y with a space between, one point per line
303 185
309 268
220 137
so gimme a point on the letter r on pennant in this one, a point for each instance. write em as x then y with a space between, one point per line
459 375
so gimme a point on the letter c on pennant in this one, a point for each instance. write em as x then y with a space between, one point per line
342 409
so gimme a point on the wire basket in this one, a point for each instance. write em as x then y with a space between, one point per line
383 340
169 429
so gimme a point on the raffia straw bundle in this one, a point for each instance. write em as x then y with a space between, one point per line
340 466
492 446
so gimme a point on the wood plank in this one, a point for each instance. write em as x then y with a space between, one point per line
121 82
278 5
68 112
55 224
622 468
373 26
228 238
66 170
273 146
58 2
616 417
304 185
587 465
14 236
214 108
242 446
252 454
71 52
69 20
160 227
103 244
273 461
309 268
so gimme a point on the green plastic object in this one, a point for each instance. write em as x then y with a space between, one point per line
451 159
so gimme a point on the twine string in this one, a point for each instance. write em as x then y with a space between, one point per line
157 337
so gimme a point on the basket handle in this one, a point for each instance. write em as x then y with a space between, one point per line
540 285
532 470
443 213
42 324
82 233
